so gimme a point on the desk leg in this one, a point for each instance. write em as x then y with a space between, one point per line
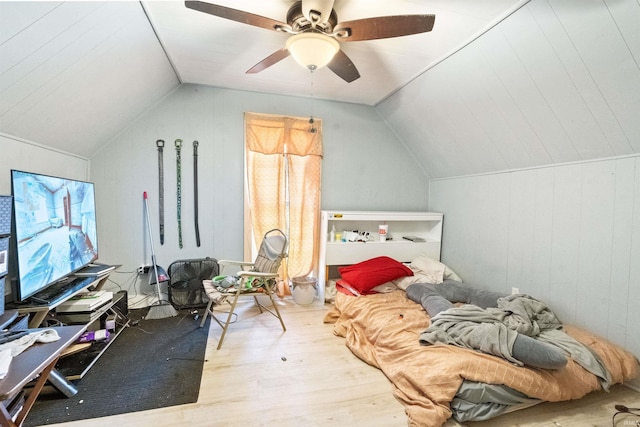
61 384
5 417
34 394
37 318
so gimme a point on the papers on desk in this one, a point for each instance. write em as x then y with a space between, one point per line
13 348
5 361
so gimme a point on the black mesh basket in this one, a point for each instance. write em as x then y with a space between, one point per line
185 281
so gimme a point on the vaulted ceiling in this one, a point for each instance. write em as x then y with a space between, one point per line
556 82
495 85
213 51
94 66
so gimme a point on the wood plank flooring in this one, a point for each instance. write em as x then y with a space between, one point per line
307 377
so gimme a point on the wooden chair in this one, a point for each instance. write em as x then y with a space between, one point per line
258 278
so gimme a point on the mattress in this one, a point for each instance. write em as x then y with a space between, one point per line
433 382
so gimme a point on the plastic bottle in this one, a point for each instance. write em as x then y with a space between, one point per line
332 234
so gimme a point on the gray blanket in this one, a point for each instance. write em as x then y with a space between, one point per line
493 331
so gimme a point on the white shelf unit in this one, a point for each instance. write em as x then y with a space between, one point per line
427 225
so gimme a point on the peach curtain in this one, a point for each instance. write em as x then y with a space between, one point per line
284 164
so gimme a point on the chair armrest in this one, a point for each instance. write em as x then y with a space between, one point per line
257 274
225 262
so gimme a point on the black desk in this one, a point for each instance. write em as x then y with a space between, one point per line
39 359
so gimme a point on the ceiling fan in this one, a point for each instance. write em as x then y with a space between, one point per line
315 33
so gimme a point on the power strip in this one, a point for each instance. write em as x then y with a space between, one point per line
144 269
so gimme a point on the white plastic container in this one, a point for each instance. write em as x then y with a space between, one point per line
304 290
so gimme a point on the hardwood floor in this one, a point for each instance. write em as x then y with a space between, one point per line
307 377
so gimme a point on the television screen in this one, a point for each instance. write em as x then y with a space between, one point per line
55 229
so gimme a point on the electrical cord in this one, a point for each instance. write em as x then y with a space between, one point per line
135 291
133 277
129 281
131 284
135 326
234 317
622 409
141 303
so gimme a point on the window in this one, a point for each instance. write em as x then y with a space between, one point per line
283 158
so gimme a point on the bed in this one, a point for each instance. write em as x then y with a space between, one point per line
382 326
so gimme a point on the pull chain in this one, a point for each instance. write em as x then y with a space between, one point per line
311 120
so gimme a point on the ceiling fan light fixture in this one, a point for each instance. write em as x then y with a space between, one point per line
312 50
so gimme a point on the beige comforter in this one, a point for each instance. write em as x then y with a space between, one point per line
383 330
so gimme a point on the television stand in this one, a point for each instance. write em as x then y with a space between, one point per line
65 369
61 291
55 295
76 364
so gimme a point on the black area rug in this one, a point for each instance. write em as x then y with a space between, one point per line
156 363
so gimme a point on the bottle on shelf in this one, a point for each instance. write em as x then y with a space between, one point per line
332 234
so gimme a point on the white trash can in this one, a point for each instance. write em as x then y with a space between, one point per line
304 290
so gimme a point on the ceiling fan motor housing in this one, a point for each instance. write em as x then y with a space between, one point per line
300 23
317 11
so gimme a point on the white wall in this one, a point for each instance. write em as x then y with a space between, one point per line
74 73
364 167
17 153
567 234
556 82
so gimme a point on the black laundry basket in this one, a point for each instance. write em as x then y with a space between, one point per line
185 281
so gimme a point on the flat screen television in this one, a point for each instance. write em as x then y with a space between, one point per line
55 230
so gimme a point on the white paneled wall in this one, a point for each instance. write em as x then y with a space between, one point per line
73 74
567 234
556 82
363 168
17 153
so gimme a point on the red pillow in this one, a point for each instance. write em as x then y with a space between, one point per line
344 287
368 274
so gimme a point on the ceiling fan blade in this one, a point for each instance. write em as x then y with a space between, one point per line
236 15
384 27
343 67
267 62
